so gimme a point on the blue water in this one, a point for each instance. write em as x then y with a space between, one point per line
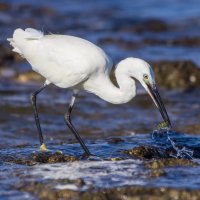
99 19
170 10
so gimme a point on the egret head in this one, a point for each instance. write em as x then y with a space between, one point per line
142 71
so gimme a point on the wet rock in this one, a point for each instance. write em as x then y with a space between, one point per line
19 161
170 162
144 152
48 157
151 152
41 157
177 74
43 191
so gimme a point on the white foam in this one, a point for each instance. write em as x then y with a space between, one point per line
94 173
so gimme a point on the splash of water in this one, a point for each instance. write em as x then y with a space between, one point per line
164 134
180 152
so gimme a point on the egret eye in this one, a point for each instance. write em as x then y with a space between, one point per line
145 76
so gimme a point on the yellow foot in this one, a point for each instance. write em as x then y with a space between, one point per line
43 148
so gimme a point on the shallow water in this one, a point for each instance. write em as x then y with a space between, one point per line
107 129
123 29
99 174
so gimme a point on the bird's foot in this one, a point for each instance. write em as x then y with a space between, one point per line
43 148
164 125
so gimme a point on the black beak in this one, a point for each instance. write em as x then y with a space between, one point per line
158 101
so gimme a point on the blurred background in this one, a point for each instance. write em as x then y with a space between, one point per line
164 33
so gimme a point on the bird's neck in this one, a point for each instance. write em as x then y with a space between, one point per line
106 90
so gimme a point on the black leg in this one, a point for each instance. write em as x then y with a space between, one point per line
37 121
72 128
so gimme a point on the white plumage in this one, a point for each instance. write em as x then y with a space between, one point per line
72 62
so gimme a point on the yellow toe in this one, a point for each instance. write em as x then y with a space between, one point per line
43 147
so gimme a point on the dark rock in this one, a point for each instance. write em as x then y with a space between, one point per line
144 152
170 162
177 74
151 152
20 161
41 157
48 157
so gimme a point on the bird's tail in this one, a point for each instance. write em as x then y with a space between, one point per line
20 36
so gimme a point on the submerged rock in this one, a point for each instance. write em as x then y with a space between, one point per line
177 74
41 157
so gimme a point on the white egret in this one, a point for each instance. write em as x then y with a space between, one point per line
75 63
